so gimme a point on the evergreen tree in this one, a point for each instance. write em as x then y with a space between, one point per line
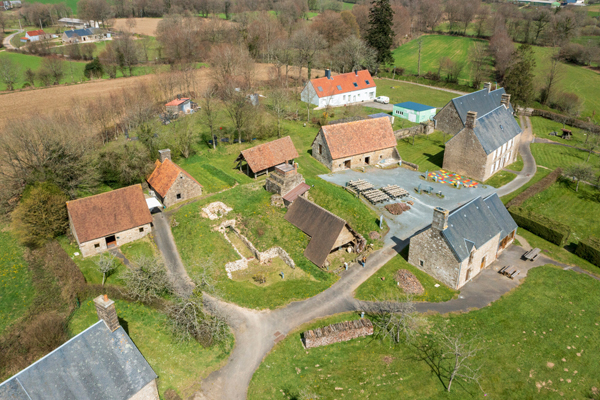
518 80
380 34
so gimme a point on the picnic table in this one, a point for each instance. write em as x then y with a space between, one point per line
531 254
509 271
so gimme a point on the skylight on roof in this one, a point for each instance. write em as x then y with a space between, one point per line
355 84
339 87
320 89
368 83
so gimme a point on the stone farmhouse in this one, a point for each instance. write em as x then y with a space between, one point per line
171 183
287 182
356 144
453 116
327 231
84 35
109 220
263 158
461 243
353 87
485 145
101 362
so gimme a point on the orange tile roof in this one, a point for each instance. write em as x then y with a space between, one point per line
358 137
109 213
164 175
344 81
270 154
177 102
36 33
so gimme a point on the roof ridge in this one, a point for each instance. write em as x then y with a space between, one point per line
101 194
324 209
489 112
464 205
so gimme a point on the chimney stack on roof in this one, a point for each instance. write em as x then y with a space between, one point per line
505 100
440 219
105 308
471 118
488 86
356 72
328 73
164 154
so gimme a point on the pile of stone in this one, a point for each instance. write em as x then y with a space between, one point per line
215 210
408 282
336 333
397 208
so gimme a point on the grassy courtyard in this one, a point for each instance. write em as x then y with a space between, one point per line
179 366
553 156
427 151
539 342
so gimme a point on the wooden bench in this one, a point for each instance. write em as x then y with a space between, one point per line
532 254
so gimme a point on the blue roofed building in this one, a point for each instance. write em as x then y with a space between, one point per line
414 112
84 35
461 243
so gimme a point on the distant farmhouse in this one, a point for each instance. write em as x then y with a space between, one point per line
355 144
453 116
78 23
171 183
462 243
263 158
327 231
485 145
338 90
414 112
34 36
9 5
110 219
101 362
84 35
183 105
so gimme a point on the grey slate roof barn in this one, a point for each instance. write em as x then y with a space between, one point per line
461 243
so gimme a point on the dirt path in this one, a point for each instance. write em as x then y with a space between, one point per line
6 42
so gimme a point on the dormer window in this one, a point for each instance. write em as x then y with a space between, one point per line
355 84
367 82
339 87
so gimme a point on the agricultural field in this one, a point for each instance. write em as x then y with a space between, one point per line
72 4
143 26
554 156
180 366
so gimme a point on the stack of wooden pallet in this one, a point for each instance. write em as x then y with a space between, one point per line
375 196
360 185
395 191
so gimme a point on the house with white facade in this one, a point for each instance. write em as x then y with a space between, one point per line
34 36
351 88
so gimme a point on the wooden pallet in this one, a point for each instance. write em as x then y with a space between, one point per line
394 191
360 185
375 196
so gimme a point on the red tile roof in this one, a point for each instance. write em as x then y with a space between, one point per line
36 33
270 154
344 81
296 192
109 213
358 137
164 175
177 102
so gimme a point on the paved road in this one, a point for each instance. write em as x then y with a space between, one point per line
529 166
6 42
166 244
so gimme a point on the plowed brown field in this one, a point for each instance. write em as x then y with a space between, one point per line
143 26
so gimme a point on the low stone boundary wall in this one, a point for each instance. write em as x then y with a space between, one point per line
424 128
410 165
340 332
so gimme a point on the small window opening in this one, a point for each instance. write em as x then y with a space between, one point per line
141 229
97 246
421 263
178 196
355 84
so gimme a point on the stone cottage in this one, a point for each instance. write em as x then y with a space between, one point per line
485 145
263 158
287 182
102 362
453 117
109 220
327 231
356 144
171 183
461 243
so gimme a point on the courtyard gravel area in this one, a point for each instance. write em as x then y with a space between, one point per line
403 226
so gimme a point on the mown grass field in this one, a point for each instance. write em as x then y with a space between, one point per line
16 288
179 366
500 178
427 151
399 92
542 127
554 156
550 318
144 247
72 4
539 175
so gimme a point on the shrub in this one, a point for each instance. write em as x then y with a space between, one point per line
399 71
259 278
536 188
434 76
546 228
567 102
589 250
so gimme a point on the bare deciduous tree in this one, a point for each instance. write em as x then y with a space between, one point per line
554 75
460 351
396 321
307 43
147 280
210 111
279 99
105 265
190 321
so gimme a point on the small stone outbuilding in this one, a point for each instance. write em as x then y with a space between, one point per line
109 220
183 105
287 182
171 183
262 159
356 144
461 243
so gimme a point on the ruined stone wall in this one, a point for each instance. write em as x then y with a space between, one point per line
148 392
282 185
464 155
359 160
438 260
340 332
424 128
184 186
90 249
448 120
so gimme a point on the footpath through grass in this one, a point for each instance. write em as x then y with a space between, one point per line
179 366
540 341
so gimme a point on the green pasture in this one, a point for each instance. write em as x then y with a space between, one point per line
427 151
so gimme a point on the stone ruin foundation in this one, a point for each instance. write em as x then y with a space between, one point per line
340 332
215 210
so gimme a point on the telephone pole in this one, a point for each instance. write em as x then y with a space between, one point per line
419 65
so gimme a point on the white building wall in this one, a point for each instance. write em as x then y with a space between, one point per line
309 95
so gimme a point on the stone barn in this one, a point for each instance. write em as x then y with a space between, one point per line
262 159
171 183
461 243
109 220
485 145
102 362
356 144
453 117
327 231
287 182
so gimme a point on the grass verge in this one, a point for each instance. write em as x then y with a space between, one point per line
500 179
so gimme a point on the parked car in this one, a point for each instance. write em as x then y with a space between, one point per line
382 99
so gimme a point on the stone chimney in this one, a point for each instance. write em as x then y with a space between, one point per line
488 86
440 219
105 308
356 72
328 73
164 154
471 118
505 100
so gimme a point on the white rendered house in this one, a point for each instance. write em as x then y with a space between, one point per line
353 87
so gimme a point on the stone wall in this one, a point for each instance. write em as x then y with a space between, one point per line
488 250
424 128
184 186
437 259
510 156
323 156
215 210
448 120
148 392
340 332
282 185
90 249
359 160
464 155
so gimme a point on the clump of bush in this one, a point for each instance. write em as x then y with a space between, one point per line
546 228
589 250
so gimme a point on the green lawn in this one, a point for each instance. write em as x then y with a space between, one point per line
427 152
88 266
542 127
347 6
179 366
539 175
72 4
500 179
210 177
144 247
16 288
408 92
550 317
553 156
517 165
376 289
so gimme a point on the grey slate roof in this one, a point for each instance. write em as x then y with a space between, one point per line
96 364
78 32
496 128
480 101
475 223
